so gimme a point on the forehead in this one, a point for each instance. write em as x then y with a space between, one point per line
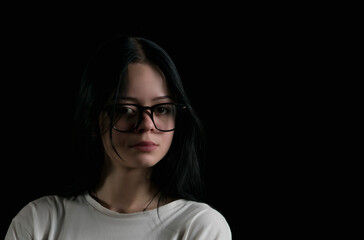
145 82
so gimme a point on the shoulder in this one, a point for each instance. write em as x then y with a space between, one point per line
37 215
37 207
205 222
43 206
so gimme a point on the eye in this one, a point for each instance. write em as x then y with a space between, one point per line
126 110
163 110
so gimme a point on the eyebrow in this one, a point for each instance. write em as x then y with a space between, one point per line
136 100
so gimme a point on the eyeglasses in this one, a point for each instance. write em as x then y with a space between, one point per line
127 117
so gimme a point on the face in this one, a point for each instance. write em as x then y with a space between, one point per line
146 145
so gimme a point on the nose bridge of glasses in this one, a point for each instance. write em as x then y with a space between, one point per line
145 115
147 111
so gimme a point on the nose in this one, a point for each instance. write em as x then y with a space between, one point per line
146 123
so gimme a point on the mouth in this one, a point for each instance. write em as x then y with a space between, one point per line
145 146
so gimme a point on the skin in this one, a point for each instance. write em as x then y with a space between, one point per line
126 185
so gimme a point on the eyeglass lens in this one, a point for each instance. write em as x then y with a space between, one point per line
128 117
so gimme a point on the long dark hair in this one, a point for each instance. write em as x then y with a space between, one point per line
178 174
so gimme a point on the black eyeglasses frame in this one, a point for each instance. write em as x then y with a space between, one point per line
109 109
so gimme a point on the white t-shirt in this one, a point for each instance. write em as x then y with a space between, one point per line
54 217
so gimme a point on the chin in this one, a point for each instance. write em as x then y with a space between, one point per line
146 161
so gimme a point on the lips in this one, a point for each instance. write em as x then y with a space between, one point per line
145 146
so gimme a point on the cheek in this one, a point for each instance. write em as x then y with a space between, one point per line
119 141
167 140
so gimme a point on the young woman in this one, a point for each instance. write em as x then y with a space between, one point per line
139 143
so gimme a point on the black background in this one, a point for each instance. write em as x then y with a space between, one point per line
238 68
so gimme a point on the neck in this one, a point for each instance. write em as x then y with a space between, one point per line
127 190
